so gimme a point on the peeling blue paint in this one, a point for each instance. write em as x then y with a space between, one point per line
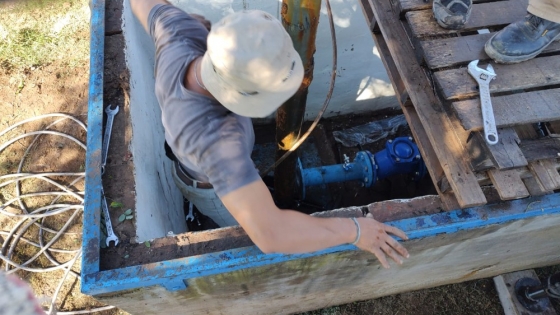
92 200
251 257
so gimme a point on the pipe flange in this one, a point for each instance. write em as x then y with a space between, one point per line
403 150
364 160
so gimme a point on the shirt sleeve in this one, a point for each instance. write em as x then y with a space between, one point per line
177 37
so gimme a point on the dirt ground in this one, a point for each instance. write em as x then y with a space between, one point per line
44 68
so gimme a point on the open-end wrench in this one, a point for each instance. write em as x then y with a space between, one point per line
190 215
111 237
107 136
483 78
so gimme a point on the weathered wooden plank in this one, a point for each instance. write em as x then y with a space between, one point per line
479 152
525 132
510 110
506 153
484 15
320 281
413 5
368 14
448 52
508 184
523 172
555 127
430 159
540 149
505 285
431 113
534 187
457 84
546 174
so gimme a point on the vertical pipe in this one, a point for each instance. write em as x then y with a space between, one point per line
300 19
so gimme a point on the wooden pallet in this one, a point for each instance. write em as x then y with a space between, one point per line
427 67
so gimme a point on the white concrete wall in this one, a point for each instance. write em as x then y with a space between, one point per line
159 204
361 86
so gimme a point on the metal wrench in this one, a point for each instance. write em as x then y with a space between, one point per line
483 78
111 237
190 216
107 136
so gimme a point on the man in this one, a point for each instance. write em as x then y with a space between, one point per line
519 41
208 85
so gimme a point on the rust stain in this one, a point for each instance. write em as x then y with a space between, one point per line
288 141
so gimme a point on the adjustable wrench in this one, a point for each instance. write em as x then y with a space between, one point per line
107 136
111 237
483 78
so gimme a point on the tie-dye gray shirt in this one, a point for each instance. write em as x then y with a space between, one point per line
211 142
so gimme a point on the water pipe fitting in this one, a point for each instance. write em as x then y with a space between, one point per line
400 156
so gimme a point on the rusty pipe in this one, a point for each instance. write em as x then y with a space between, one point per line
300 19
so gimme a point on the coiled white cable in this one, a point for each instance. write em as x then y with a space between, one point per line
16 209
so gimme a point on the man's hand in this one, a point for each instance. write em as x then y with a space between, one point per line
291 232
375 238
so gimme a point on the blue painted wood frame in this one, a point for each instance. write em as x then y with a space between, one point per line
92 200
172 273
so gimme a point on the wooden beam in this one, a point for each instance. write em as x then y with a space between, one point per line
535 188
457 84
508 183
510 110
540 149
546 174
426 149
506 154
456 51
413 5
432 115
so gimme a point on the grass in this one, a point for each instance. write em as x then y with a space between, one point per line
34 33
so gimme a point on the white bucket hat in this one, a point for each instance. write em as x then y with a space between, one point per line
251 66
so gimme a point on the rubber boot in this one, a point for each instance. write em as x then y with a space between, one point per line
452 14
522 40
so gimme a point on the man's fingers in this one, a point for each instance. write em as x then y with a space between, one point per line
392 253
398 247
381 256
395 231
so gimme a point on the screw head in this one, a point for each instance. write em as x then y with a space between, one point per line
410 138
390 141
398 159
417 157
416 173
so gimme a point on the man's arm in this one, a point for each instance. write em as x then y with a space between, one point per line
288 231
142 8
